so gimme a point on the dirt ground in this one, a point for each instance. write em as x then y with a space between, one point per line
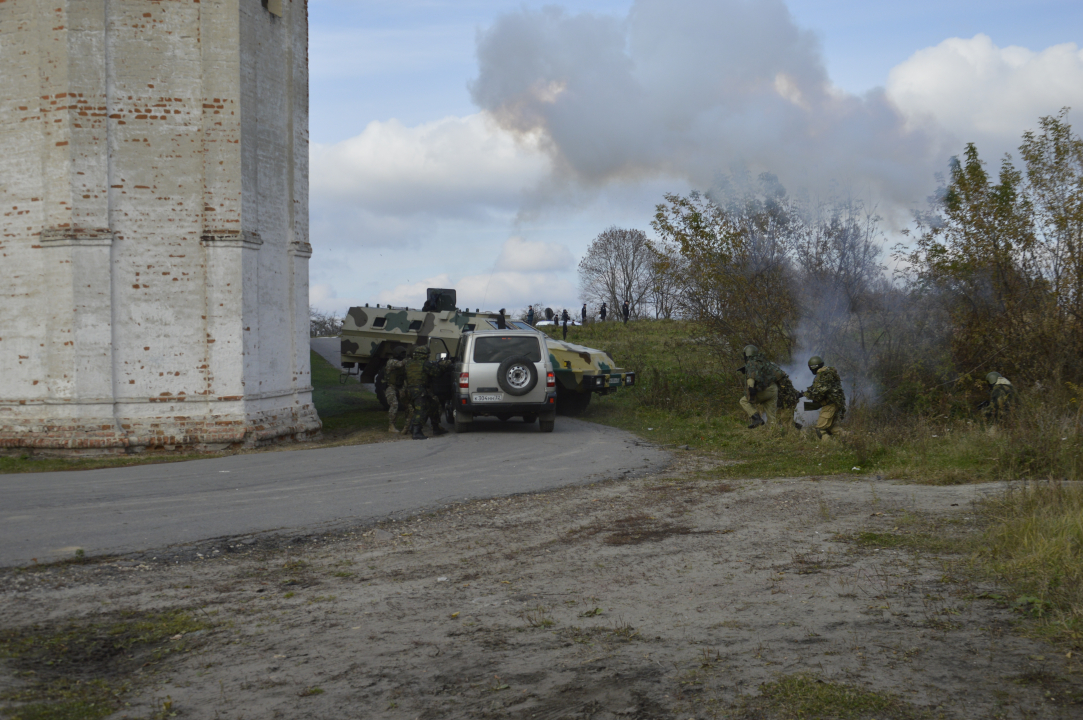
672 596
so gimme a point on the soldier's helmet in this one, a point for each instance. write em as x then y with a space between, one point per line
815 363
992 378
420 351
399 353
750 350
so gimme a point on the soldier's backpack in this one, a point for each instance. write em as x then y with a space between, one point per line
394 375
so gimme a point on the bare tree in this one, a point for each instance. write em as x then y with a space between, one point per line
322 324
539 312
615 268
841 283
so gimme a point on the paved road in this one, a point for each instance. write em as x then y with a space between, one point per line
47 515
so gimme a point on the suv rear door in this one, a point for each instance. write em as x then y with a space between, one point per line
490 351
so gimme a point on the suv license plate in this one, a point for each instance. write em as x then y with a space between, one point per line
488 398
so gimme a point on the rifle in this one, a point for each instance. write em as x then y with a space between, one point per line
750 391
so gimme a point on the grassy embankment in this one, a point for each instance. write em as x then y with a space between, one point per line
350 415
687 394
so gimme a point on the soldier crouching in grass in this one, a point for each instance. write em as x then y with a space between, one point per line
1001 395
761 393
826 393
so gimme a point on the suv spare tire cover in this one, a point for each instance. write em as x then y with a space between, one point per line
517 376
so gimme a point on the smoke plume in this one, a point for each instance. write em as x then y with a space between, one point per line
689 88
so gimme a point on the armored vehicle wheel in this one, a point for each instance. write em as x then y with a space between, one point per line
503 417
571 402
517 376
380 387
530 418
547 424
462 423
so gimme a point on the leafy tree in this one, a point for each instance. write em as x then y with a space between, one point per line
736 276
1054 187
1002 258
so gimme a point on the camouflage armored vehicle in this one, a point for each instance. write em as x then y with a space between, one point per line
370 335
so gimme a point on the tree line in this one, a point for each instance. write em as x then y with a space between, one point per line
990 277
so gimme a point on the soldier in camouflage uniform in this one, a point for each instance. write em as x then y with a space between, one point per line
787 394
761 394
826 391
1001 395
436 369
420 373
395 378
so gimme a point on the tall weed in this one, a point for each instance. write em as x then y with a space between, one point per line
1034 544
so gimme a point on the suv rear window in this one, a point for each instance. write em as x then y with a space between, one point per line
498 349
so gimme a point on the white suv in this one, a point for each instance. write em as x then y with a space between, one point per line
504 373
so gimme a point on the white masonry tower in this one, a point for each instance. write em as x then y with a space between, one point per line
153 224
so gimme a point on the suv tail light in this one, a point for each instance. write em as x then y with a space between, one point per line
550 380
464 380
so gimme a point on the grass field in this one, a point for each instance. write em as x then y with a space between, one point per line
350 415
348 411
687 394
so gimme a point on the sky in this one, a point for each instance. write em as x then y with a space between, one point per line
482 144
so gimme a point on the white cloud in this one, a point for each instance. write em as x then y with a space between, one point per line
687 89
325 297
413 294
457 166
322 295
501 288
512 290
522 255
980 92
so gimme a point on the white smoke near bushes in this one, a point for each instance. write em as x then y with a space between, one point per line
686 88
838 256
830 251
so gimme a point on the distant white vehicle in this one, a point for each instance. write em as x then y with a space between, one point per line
543 323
